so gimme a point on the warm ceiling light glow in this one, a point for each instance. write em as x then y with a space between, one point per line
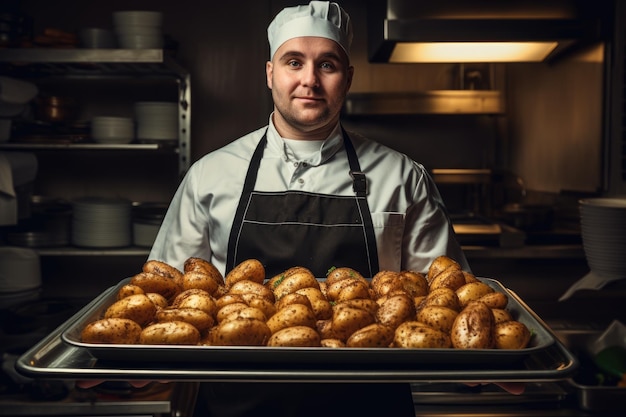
433 52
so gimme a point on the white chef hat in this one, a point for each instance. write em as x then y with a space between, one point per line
319 18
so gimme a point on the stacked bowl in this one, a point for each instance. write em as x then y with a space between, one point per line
603 232
138 29
100 222
156 121
115 130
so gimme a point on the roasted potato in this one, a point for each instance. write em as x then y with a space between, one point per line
495 299
296 336
158 300
341 273
354 289
246 313
205 267
129 289
395 310
163 269
473 327
246 286
250 269
320 305
472 292
198 318
240 332
451 277
347 320
152 282
443 297
332 343
200 280
414 283
290 316
253 300
137 308
501 315
511 335
170 333
417 335
439 264
437 317
293 298
112 330
292 281
362 303
375 335
228 310
196 298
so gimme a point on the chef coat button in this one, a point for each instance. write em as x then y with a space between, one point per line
304 164
295 164
300 180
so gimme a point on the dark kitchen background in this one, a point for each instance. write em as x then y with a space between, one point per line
551 139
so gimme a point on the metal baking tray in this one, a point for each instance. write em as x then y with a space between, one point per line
63 355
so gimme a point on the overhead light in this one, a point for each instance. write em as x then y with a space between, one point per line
455 52
445 31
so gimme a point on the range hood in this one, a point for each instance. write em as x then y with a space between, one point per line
404 31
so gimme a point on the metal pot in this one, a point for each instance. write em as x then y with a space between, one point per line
56 109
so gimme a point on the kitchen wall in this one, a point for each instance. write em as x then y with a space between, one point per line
551 133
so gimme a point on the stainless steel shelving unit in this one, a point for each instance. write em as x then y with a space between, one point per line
99 63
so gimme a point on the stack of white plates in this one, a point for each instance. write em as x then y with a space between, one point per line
101 222
138 29
112 129
156 121
603 232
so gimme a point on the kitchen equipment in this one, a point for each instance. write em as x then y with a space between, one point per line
138 29
101 222
603 231
119 130
20 275
147 219
56 109
156 121
61 355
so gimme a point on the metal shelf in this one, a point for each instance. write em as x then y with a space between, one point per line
29 63
76 251
84 146
101 62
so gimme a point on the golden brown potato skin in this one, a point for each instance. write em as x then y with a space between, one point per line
374 335
111 330
438 317
472 292
395 310
205 267
127 290
151 282
163 269
292 315
417 335
136 307
240 332
170 333
296 336
511 335
198 318
250 269
474 327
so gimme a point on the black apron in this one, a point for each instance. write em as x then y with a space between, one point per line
291 228
285 229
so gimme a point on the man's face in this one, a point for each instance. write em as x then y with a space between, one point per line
309 78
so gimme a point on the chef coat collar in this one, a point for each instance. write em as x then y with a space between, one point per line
332 144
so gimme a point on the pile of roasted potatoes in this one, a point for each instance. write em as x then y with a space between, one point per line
445 307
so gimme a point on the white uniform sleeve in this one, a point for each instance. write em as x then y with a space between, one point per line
428 231
183 233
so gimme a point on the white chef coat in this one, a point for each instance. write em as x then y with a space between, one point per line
408 214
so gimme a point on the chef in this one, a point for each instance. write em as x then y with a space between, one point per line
303 191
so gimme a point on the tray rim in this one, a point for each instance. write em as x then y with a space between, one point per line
30 364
